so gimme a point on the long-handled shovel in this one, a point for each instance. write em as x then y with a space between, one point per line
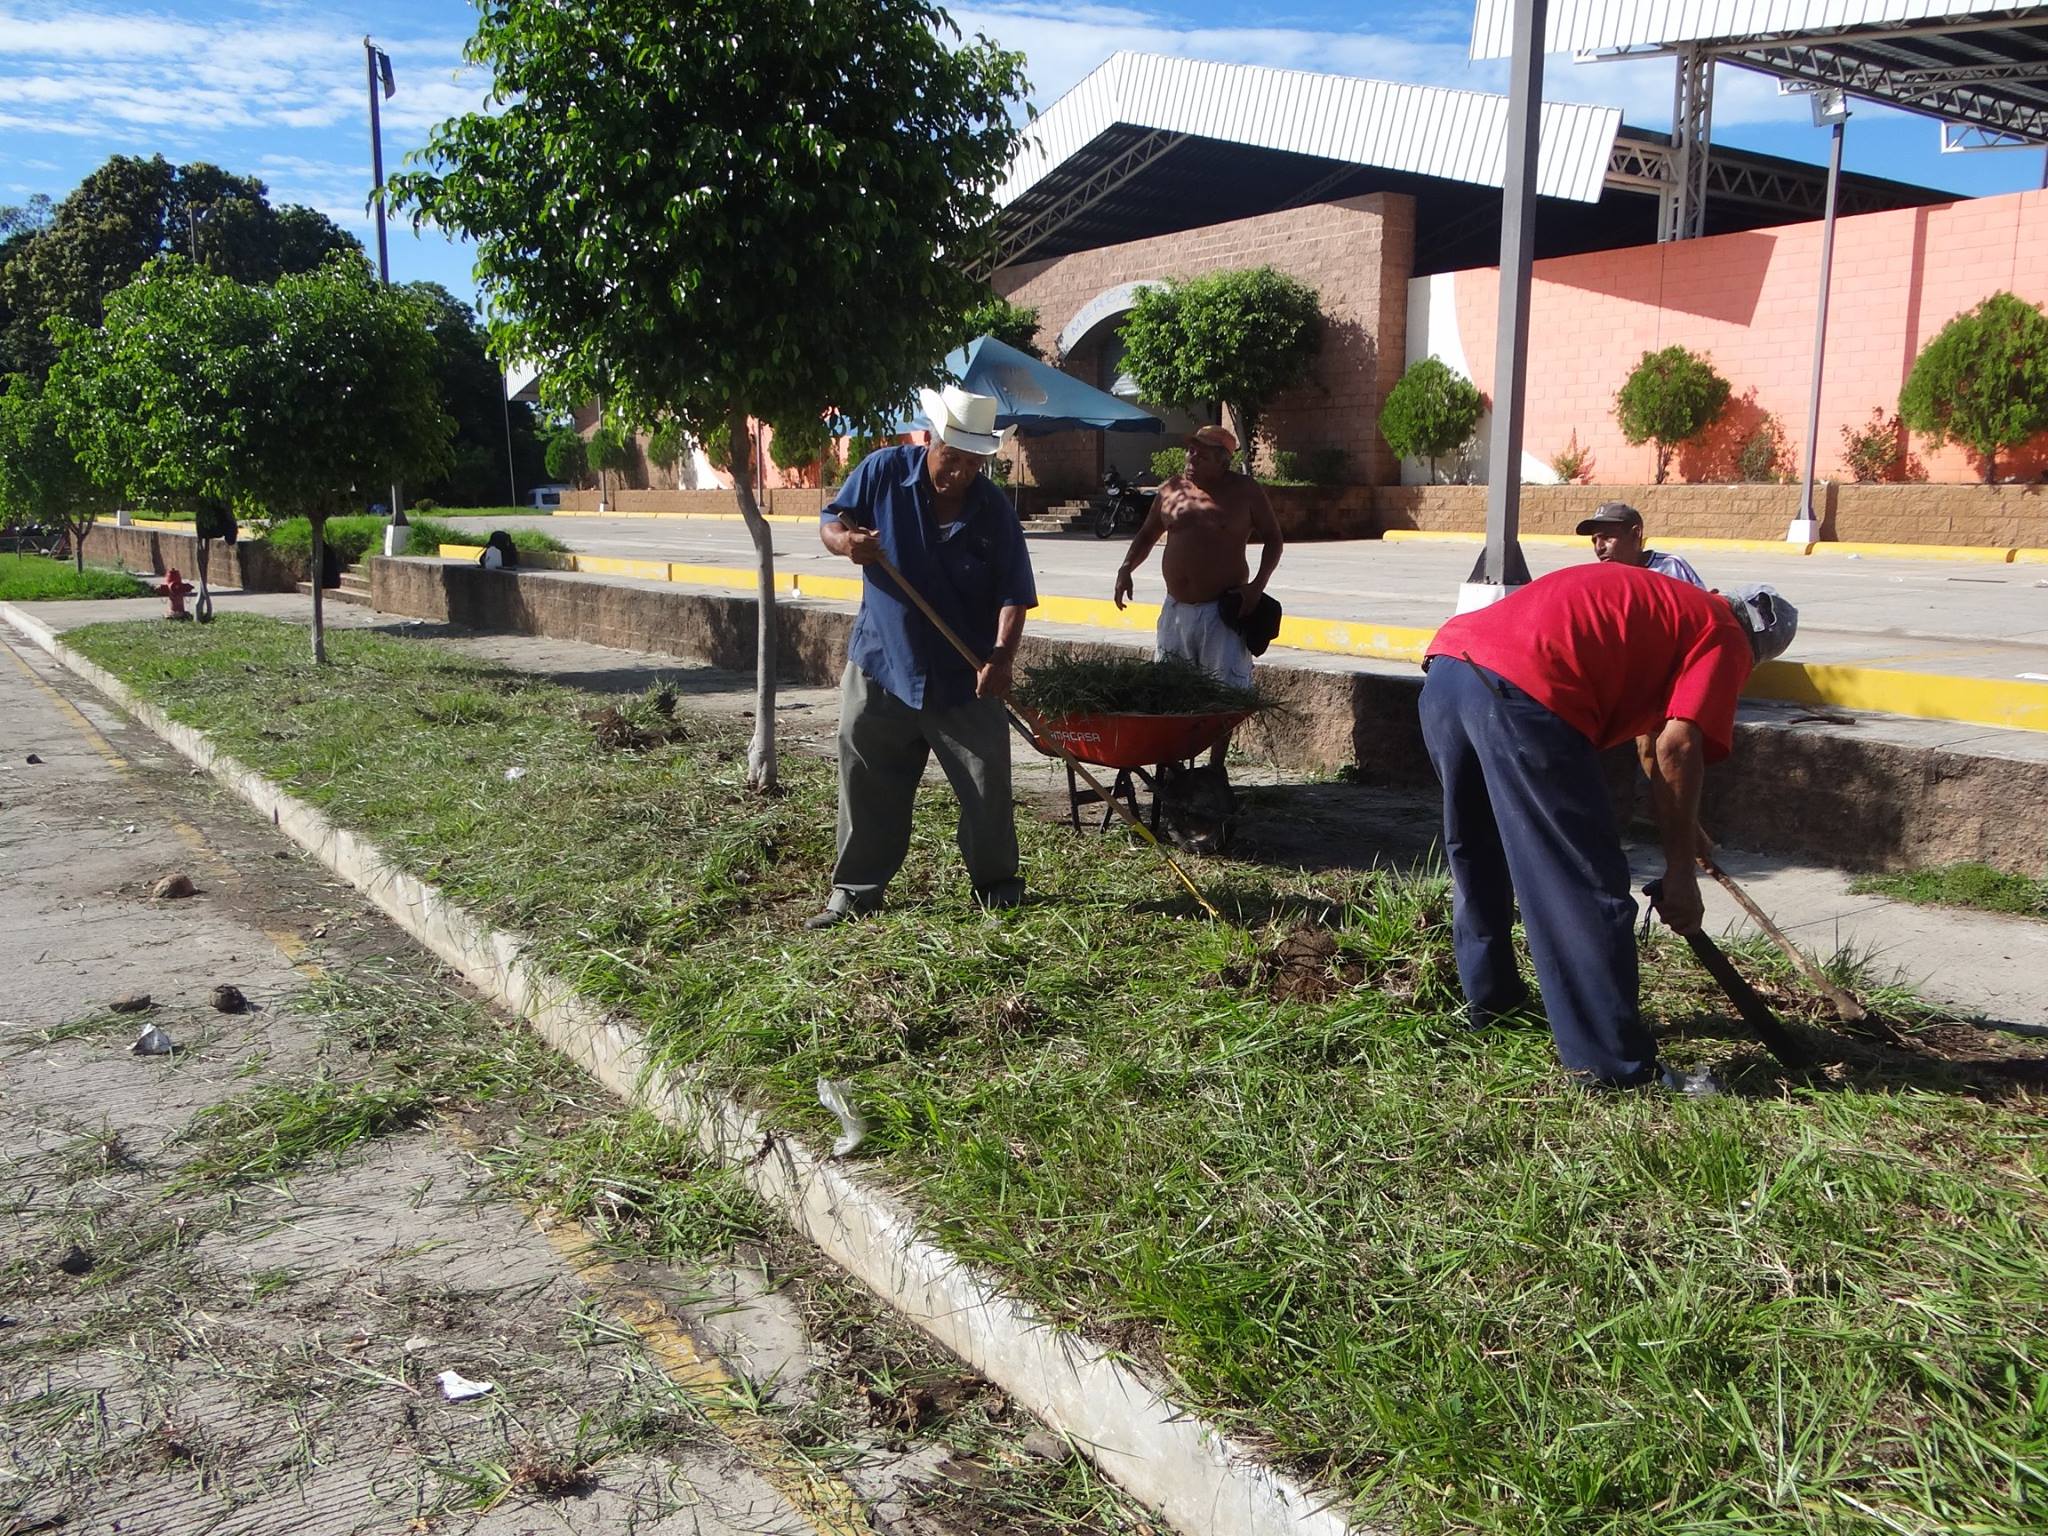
1756 1013
1846 1007
1034 731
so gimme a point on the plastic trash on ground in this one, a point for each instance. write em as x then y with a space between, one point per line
836 1094
458 1388
153 1042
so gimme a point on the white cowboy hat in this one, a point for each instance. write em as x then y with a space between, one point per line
961 419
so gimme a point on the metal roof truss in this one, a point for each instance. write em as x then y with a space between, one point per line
1983 73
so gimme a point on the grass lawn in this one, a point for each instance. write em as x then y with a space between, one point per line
1260 1154
1963 885
37 578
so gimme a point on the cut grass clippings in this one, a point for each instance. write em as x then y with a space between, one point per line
1404 1257
1977 886
37 579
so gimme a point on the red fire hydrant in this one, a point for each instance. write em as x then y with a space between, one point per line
174 587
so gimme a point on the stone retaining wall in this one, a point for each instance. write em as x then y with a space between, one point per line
1788 789
151 551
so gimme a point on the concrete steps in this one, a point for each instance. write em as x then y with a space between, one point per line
1067 517
353 586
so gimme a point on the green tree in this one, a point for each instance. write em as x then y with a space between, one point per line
1014 325
1670 397
652 172
1982 382
799 442
611 453
130 211
1430 412
1238 337
302 397
668 445
567 456
473 393
41 478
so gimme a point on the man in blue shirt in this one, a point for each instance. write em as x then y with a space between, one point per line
906 693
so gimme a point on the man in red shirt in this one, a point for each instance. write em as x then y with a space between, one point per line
1520 699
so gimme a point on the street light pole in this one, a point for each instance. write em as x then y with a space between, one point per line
1832 109
377 67
1501 567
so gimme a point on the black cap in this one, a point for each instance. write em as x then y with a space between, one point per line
1612 514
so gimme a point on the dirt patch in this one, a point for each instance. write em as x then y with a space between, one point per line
636 726
1304 966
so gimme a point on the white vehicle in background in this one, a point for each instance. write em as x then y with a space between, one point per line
545 498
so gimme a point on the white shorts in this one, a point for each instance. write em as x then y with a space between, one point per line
1197 631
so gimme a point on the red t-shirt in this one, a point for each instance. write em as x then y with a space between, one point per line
1614 650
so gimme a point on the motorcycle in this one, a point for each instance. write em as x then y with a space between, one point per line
1126 508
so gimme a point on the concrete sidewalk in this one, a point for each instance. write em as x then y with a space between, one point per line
1981 964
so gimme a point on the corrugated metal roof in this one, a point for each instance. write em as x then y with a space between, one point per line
1424 130
1577 26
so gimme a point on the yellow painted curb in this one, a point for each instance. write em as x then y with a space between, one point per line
2008 705
2030 557
727 576
1341 637
846 589
702 517
1917 552
1997 702
1097 613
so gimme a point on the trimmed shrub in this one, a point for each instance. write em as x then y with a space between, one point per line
1764 458
1431 412
429 534
1983 382
1879 451
1670 397
799 443
1168 462
1573 464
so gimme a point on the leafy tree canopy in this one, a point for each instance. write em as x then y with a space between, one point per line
302 397
1240 337
1430 412
41 478
472 393
130 211
799 443
726 210
1669 397
1014 325
1983 381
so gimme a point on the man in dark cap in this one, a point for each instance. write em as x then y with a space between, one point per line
1520 699
1616 529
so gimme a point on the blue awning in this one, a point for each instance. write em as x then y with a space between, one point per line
1036 397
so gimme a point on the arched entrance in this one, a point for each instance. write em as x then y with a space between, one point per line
1091 347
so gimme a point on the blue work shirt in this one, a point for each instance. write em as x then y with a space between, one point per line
969 575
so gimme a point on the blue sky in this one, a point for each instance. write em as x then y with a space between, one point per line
275 88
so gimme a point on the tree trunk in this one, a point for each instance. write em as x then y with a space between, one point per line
202 607
78 533
319 588
761 763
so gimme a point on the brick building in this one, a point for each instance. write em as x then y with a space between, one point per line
1155 168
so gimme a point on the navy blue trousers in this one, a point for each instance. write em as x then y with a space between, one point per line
1526 815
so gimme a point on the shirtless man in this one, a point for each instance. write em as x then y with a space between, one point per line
1212 513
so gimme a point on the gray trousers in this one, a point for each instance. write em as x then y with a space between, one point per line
883 747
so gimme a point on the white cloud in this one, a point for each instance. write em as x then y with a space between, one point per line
1063 43
81 72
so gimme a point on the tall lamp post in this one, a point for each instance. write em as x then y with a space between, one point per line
1501 567
377 70
1830 111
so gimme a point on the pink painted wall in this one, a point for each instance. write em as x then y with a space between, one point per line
1747 300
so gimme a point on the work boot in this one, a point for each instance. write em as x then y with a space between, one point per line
831 917
1000 897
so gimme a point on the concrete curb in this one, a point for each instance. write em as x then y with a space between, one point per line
1162 1453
